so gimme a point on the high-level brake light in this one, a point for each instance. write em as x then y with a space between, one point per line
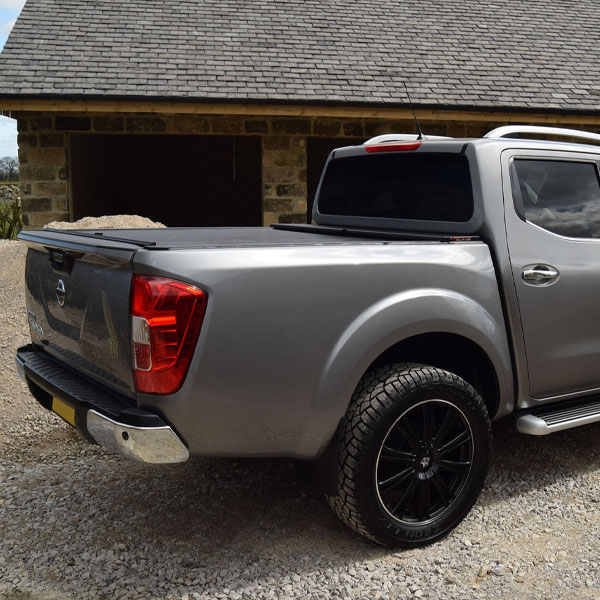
392 146
166 318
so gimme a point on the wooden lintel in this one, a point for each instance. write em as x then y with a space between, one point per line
8 106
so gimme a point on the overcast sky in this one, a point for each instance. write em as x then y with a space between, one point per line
9 11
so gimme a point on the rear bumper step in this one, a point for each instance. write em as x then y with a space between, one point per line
100 416
543 421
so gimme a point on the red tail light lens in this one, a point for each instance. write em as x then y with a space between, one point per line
166 318
393 146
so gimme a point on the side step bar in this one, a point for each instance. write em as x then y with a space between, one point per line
543 421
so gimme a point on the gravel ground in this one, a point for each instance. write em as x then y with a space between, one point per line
77 522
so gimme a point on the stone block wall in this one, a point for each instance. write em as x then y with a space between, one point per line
284 179
43 169
44 151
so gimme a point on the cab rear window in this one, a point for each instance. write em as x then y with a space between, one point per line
422 187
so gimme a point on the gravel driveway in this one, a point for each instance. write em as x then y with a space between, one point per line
76 522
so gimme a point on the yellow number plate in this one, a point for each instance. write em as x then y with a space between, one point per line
63 410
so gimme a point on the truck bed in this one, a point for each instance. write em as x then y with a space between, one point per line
294 318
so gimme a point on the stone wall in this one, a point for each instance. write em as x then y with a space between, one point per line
43 170
284 179
44 151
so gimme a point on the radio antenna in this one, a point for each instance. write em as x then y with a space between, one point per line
421 136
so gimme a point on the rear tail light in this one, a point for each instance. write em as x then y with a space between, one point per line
392 146
166 318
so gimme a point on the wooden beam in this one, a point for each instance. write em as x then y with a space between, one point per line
8 106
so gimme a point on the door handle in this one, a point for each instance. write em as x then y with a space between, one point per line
539 274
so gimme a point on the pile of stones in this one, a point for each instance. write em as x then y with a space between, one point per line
9 193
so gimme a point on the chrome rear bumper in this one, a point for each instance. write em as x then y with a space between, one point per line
146 444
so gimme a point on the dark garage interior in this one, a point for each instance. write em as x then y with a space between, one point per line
179 180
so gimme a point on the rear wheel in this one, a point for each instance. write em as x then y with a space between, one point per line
413 454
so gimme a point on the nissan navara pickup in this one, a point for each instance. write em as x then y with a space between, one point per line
443 283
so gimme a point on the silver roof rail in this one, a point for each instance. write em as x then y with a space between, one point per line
501 132
402 137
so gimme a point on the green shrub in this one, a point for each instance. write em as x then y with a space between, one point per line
11 221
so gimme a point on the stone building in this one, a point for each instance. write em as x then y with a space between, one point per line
220 112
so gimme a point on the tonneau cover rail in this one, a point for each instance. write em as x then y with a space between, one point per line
373 233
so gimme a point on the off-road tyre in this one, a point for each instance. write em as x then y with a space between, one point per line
407 406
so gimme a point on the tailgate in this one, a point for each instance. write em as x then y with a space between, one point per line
77 296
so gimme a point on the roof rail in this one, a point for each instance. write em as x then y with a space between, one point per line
507 130
402 137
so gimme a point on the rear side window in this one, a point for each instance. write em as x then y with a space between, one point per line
425 187
561 196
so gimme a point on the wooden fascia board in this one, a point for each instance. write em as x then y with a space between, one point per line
8 105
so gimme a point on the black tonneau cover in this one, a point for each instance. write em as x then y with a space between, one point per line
221 237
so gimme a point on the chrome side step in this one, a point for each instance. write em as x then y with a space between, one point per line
557 418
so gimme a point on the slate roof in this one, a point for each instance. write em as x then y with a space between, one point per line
498 54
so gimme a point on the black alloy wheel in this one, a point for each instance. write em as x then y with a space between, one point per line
424 461
413 454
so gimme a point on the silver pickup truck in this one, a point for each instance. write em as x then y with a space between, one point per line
444 283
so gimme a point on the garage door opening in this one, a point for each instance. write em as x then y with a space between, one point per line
179 180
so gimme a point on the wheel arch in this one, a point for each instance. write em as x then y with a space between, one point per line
451 352
431 326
